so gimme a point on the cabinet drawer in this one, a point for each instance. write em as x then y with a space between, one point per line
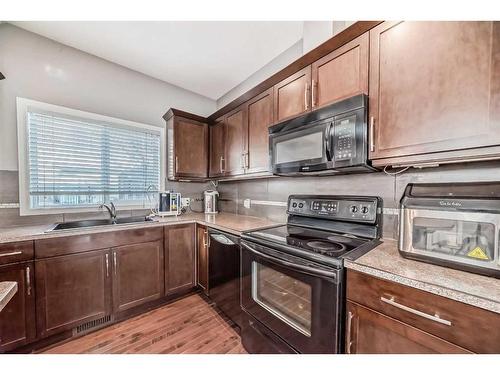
16 252
469 327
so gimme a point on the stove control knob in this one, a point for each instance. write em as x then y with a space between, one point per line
354 209
364 209
294 204
301 205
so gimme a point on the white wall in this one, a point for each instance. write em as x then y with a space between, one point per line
41 69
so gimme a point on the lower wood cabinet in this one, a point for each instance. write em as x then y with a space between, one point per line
369 332
17 319
138 274
180 264
202 257
72 290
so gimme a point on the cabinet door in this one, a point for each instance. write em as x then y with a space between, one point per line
434 87
202 260
260 116
341 74
72 290
292 96
236 125
369 332
217 148
138 274
190 148
179 258
17 319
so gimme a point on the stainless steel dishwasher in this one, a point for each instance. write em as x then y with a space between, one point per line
224 273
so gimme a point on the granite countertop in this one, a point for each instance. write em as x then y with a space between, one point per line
385 262
235 224
8 289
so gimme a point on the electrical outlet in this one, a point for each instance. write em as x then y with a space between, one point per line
247 203
185 202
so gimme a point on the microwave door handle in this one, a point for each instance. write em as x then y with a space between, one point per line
328 143
300 267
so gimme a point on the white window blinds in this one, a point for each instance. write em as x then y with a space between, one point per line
75 162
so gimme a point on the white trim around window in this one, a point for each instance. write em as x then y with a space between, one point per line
26 108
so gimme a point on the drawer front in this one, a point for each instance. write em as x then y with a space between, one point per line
52 247
15 252
470 327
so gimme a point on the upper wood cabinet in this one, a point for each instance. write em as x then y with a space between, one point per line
17 319
138 274
434 91
341 74
217 148
260 117
187 146
236 125
180 266
292 96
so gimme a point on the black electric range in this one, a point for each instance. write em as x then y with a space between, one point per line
292 277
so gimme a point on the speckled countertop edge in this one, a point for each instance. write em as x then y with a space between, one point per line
441 290
8 289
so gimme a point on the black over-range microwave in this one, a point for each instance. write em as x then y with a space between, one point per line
330 140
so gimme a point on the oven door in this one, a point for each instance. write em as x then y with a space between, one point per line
297 300
304 149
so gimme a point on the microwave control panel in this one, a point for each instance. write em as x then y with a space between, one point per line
338 209
344 138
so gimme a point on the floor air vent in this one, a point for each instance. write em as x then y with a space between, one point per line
89 326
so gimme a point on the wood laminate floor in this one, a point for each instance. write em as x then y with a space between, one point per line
189 326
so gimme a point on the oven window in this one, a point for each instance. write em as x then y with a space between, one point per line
466 239
304 147
283 296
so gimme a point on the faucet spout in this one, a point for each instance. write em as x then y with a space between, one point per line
111 210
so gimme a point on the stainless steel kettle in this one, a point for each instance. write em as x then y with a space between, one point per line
211 201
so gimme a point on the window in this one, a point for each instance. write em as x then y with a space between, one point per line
73 161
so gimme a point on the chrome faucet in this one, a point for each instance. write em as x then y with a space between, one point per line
111 209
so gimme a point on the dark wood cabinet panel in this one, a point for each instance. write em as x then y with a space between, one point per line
260 117
341 74
434 87
72 290
138 274
202 258
217 148
17 319
292 96
235 150
369 332
190 156
180 265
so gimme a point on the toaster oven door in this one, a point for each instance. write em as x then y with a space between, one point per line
468 238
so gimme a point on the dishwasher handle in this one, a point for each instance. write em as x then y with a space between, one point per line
219 237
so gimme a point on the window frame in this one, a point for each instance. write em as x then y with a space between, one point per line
23 106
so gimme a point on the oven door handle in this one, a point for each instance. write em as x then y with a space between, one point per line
301 267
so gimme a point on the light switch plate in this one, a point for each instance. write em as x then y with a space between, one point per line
185 202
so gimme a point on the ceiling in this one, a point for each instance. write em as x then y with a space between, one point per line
206 57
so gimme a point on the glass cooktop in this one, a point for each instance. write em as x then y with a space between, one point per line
322 242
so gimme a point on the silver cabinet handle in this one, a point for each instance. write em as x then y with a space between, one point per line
306 96
205 239
349 332
313 94
11 254
28 281
114 261
107 265
434 318
176 164
222 163
242 161
372 134
247 160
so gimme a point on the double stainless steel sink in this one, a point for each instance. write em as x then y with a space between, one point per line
101 222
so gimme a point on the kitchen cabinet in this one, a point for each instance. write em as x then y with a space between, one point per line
260 117
187 146
369 332
72 290
202 258
388 317
292 96
434 92
235 147
138 274
340 74
217 148
180 266
17 319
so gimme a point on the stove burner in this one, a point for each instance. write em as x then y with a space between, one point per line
326 247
